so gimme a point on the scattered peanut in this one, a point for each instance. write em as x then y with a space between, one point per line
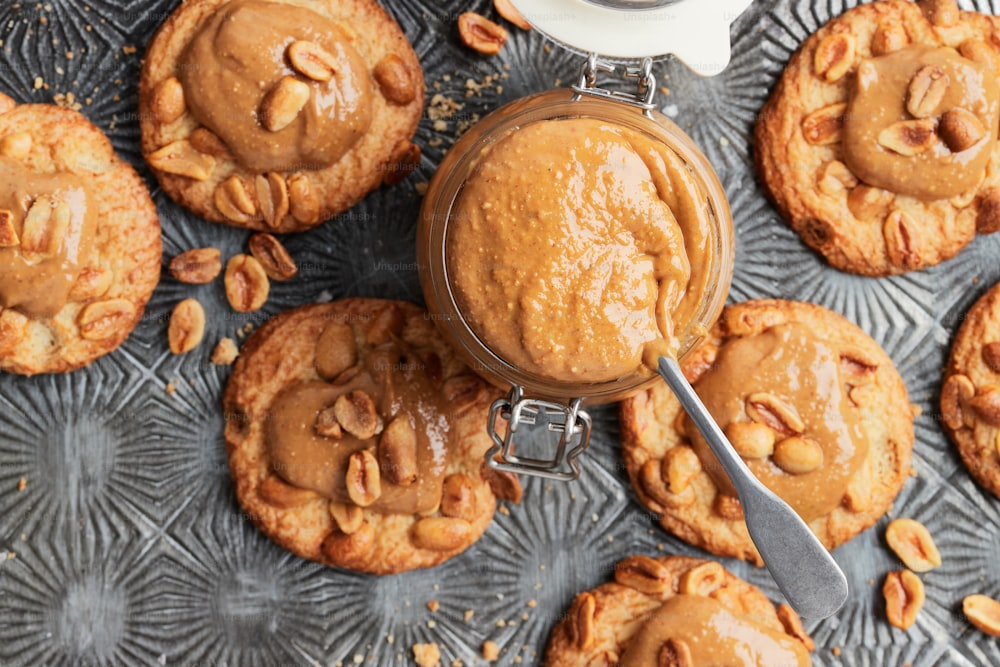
247 286
904 598
187 326
273 257
480 34
336 350
395 80
912 543
909 137
167 103
197 266
644 574
983 612
834 57
960 129
182 159
750 439
355 412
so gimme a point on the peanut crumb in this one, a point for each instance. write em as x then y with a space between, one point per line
39 82
468 615
128 49
433 605
532 603
171 389
835 650
490 651
427 655
22 484
225 352
390 639
504 510
421 188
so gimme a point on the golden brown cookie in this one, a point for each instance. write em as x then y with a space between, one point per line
879 143
356 438
813 405
970 396
277 115
79 241
675 610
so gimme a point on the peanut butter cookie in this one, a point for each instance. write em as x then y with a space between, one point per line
879 143
677 611
79 241
970 396
277 115
813 405
356 438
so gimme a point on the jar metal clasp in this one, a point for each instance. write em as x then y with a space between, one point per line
645 87
571 423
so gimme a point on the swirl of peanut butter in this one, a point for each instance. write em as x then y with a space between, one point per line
240 55
578 248
795 379
939 151
714 636
47 229
303 456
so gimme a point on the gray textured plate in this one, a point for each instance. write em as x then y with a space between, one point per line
127 546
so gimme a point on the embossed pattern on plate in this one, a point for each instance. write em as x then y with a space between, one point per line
126 546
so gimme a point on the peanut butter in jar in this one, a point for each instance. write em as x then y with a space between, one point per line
566 245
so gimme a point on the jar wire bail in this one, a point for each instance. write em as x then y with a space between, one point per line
571 423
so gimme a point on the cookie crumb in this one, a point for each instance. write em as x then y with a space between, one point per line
490 651
427 655
433 605
468 615
170 388
225 352
39 83
532 603
835 650
422 186
129 50
22 484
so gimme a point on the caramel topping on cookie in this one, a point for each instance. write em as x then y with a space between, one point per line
790 382
697 630
49 232
376 437
921 121
280 85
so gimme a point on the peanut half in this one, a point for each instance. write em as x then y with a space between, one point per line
904 598
364 480
247 286
824 126
187 326
197 266
983 612
180 158
282 104
644 574
480 34
104 319
336 350
312 60
926 91
909 137
674 653
355 412
273 257
912 543
798 455
168 102
395 80
834 57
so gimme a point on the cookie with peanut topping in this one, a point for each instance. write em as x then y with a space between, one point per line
879 143
276 115
970 395
677 611
811 403
79 241
356 438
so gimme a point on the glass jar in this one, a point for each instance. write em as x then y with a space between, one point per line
533 396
